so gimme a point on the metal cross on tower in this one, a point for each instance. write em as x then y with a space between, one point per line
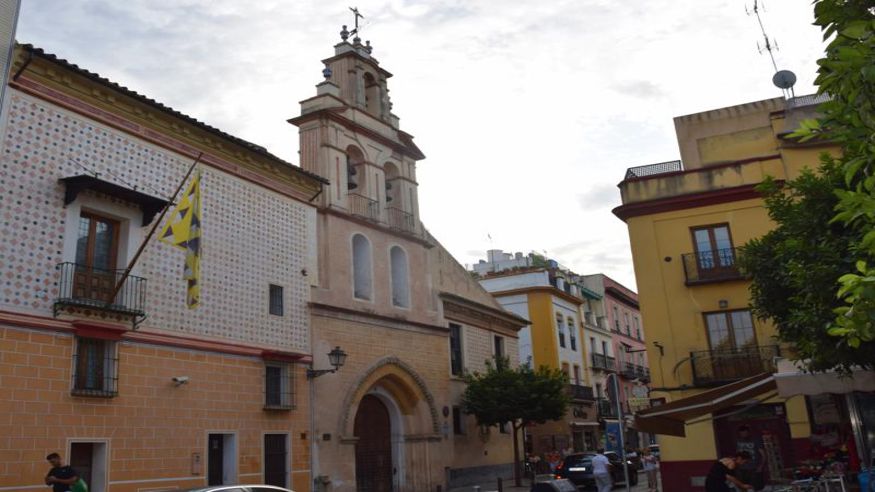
355 11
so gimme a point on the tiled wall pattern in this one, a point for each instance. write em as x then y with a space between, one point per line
251 237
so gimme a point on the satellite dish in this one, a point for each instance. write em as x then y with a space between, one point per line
784 79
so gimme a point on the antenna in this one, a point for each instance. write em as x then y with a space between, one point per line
783 79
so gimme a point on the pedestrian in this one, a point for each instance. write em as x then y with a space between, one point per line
60 477
751 472
601 471
650 468
724 469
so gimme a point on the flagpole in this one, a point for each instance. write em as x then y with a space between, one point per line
118 286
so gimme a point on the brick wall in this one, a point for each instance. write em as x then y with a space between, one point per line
152 427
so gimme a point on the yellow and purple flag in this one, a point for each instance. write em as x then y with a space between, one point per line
183 230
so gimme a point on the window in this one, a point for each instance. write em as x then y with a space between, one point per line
372 95
96 252
354 158
571 338
713 246
278 386
456 349
95 368
605 347
626 319
592 346
561 328
458 423
566 370
637 327
599 393
498 348
361 267
398 264
576 374
502 428
616 319
276 300
730 330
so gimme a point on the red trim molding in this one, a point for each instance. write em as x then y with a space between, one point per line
108 331
691 200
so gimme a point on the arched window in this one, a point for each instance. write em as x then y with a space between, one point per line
560 325
354 158
400 282
372 95
361 268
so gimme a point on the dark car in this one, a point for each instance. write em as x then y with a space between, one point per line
578 469
239 488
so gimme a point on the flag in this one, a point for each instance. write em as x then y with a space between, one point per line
183 230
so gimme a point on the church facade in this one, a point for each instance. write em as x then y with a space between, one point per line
408 316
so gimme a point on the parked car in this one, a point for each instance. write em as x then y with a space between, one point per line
578 469
654 449
633 464
239 488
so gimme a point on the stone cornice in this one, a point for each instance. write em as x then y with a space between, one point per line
472 313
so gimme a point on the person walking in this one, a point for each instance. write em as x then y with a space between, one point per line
724 469
61 477
751 472
650 468
601 471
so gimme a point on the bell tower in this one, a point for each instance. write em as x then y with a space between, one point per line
350 136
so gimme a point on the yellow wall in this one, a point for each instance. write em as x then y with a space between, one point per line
544 350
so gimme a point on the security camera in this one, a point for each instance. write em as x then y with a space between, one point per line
180 380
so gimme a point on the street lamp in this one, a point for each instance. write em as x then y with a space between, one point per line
620 418
336 357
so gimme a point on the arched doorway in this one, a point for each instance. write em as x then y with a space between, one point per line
373 449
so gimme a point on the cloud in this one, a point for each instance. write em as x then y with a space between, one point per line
599 196
639 88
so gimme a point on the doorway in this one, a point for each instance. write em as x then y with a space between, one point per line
373 451
89 461
276 458
221 459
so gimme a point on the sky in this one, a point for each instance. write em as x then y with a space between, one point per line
528 112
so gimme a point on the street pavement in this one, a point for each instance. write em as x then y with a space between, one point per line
508 486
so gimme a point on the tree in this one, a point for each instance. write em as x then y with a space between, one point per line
517 396
794 267
847 74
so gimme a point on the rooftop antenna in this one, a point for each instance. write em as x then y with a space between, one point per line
783 79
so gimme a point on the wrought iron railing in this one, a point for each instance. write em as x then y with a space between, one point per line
712 266
400 220
278 387
628 370
642 373
85 286
364 207
651 169
713 367
606 408
603 362
579 392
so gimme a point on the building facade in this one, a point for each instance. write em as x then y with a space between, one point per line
114 372
408 316
686 220
553 300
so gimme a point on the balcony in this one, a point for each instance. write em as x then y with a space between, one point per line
589 318
716 367
603 362
627 370
86 287
606 408
580 393
364 207
642 373
712 266
400 220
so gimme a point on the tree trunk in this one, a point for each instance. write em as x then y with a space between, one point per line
516 456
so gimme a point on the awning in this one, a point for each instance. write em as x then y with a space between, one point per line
584 424
793 381
670 419
150 205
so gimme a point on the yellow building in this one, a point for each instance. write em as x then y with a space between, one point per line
686 220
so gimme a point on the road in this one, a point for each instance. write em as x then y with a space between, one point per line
508 486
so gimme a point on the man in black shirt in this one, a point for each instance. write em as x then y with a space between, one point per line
723 470
60 477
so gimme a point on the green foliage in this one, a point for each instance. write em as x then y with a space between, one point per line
795 267
519 396
847 74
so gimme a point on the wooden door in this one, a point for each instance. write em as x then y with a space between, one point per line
215 459
96 250
275 458
373 451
